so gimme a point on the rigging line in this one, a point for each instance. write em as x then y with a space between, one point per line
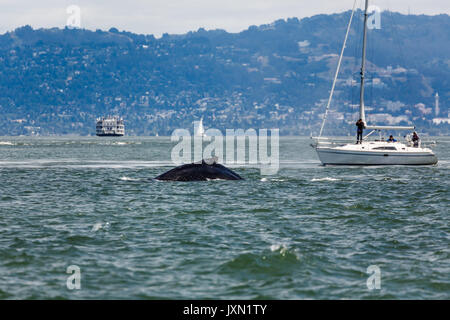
337 69
371 73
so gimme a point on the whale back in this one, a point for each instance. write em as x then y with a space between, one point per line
205 170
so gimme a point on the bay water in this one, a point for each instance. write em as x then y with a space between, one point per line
307 232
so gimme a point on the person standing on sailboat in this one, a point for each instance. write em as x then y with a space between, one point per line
361 125
415 139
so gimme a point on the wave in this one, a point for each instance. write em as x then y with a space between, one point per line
84 164
45 143
279 260
129 179
99 226
325 179
279 247
274 180
124 143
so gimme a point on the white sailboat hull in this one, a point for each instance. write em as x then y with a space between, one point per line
351 155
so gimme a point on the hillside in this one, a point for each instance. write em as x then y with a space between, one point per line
57 81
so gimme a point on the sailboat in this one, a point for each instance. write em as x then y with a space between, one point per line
200 132
369 152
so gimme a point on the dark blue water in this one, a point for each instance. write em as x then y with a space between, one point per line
307 232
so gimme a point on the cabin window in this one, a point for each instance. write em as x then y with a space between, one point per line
385 148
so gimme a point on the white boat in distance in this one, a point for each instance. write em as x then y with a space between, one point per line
200 131
110 127
370 152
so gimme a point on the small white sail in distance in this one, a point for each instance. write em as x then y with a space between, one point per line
200 132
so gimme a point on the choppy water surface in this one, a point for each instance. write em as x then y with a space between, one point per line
307 232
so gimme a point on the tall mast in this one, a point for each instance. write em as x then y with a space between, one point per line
363 66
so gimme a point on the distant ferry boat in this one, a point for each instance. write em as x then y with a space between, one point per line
110 127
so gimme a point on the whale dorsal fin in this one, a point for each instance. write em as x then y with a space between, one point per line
209 161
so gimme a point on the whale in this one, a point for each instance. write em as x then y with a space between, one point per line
205 170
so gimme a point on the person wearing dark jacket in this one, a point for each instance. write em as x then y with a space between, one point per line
415 139
360 124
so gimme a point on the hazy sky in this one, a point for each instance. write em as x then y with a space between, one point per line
177 16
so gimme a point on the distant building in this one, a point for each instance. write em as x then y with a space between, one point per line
441 120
